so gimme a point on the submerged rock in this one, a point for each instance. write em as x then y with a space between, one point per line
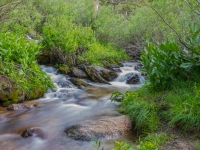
18 107
36 131
108 128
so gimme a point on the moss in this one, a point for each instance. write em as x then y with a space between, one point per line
78 82
35 93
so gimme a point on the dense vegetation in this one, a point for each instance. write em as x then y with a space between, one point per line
73 33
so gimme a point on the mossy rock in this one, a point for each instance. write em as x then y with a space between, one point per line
35 93
95 75
78 82
8 93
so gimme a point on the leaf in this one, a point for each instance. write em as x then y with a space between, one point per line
186 65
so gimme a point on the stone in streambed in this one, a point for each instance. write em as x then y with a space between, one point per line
18 107
35 131
108 128
78 73
134 79
78 82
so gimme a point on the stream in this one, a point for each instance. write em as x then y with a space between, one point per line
61 107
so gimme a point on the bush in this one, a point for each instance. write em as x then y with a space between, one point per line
162 63
18 62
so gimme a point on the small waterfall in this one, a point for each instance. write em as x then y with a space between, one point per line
127 71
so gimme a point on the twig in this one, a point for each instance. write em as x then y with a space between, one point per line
168 25
196 11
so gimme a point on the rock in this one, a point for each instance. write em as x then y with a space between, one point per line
94 75
78 73
78 82
116 69
110 127
138 67
9 94
18 107
133 80
36 131
114 66
108 75
65 84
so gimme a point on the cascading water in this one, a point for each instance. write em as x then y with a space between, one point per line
59 108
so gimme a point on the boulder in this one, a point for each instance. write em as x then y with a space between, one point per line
18 107
94 75
107 128
133 80
78 73
108 75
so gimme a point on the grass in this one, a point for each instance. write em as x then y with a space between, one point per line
142 112
178 106
152 141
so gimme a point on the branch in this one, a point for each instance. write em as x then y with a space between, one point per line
196 11
179 37
6 5
7 8
198 1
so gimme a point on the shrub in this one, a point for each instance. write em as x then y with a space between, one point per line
162 63
18 62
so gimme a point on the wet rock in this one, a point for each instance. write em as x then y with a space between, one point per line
114 66
94 75
36 131
65 84
116 69
108 75
78 73
138 67
133 80
118 98
108 128
18 107
78 82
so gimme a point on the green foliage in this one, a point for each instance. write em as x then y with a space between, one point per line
152 141
122 146
143 113
184 106
98 53
96 143
161 63
18 62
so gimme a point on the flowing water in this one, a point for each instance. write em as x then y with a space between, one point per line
61 107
